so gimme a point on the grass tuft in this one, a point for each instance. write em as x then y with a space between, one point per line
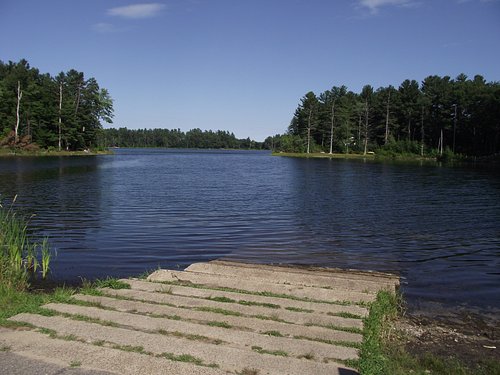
260 350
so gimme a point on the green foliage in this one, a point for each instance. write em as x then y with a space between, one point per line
395 121
399 148
111 283
175 138
372 358
79 103
19 256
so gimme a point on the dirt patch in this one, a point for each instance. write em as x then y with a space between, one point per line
471 340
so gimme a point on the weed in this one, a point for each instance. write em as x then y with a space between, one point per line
186 358
273 333
130 348
18 253
111 283
46 331
348 344
298 309
260 350
166 289
75 364
5 348
309 356
262 304
191 337
219 324
248 371
337 328
222 299
343 314
218 310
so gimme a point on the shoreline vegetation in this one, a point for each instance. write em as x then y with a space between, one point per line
8 152
392 344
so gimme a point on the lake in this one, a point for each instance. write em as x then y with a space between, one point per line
140 209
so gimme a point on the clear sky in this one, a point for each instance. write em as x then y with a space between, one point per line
243 65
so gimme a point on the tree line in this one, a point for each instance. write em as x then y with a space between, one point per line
174 138
440 115
61 112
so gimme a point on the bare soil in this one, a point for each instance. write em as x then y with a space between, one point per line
470 339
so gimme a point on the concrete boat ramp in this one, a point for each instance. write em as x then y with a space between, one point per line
213 318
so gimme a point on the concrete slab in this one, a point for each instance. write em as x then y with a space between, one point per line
224 281
38 347
259 314
356 281
238 322
191 291
227 358
276 314
239 339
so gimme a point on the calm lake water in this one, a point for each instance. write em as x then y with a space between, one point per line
135 211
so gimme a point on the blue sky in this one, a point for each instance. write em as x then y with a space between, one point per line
243 65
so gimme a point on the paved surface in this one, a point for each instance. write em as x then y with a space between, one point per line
212 318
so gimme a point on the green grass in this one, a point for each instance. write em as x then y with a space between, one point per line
347 315
264 294
217 310
273 333
260 350
348 344
188 358
219 324
298 309
372 359
21 259
243 302
381 355
111 283
75 364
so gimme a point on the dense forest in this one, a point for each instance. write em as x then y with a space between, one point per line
61 112
175 138
441 115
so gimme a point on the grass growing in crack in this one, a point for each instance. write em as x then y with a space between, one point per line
298 309
347 344
131 348
188 358
347 315
309 356
111 283
260 350
248 371
336 328
46 331
75 364
264 294
243 302
273 333
190 337
261 304
219 324
217 310
88 319
222 299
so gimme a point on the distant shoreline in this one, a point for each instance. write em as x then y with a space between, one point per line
6 153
